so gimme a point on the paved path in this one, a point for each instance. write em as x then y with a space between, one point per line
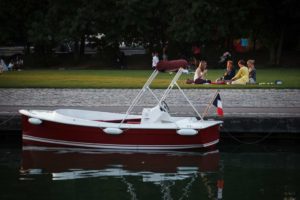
236 102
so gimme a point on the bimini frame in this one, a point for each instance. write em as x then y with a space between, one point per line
146 87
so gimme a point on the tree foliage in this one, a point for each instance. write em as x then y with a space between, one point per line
151 23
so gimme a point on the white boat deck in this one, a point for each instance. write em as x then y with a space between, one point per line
112 120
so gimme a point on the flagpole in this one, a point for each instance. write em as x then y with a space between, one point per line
209 105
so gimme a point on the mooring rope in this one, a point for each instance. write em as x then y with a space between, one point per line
7 120
255 142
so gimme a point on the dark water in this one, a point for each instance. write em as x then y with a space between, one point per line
232 171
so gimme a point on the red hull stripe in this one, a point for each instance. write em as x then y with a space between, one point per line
114 146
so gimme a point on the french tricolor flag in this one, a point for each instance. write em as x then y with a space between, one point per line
218 103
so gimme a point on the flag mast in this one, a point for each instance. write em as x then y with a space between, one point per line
210 103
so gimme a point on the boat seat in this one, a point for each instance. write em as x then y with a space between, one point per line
155 115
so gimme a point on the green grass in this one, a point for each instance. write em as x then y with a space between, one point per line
132 79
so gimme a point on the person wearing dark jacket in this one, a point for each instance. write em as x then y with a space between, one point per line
252 71
230 72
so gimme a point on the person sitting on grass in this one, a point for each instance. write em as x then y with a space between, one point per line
3 66
229 74
242 76
200 73
252 71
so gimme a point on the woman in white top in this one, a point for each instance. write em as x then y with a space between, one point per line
200 73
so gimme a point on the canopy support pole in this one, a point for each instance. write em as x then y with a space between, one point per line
210 103
164 96
140 94
171 85
189 102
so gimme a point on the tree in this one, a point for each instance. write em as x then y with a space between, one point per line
16 18
144 22
151 23
273 19
205 22
75 20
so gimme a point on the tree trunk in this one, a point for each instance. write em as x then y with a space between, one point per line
227 43
254 38
279 48
82 45
76 49
272 51
230 47
27 49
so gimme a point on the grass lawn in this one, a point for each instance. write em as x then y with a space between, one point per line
133 79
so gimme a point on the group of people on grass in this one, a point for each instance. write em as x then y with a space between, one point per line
246 74
14 64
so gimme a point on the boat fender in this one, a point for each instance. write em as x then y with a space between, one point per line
34 121
113 131
187 131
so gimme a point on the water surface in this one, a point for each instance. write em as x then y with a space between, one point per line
232 171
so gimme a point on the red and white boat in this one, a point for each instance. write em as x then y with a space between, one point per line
154 128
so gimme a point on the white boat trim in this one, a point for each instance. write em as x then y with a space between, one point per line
116 146
58 117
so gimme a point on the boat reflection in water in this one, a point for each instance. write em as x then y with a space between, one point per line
158 168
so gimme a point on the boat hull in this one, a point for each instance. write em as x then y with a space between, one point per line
50 133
